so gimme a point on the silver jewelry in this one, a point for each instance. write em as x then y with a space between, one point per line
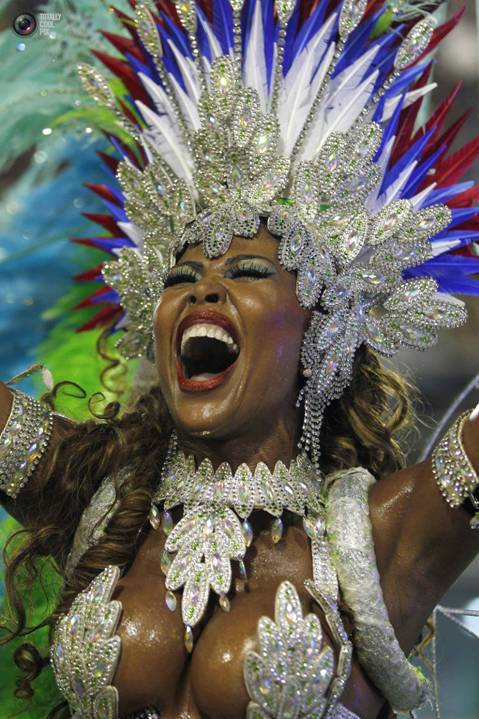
211 534
292 673
235 146
352 551
23 442
454 474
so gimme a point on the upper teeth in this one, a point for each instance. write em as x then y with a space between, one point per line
208 330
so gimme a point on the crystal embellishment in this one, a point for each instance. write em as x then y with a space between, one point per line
290 673
85 649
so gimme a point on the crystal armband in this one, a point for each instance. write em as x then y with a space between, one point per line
454 474
352 551
23 441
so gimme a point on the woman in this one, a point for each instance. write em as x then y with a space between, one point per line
270 290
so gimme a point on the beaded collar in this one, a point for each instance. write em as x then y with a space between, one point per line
214 530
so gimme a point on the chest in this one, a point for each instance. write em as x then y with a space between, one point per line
155 668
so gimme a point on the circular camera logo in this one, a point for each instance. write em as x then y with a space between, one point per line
25 24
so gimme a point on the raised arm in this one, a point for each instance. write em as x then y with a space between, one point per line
422 544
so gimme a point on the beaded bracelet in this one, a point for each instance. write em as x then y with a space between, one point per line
454 474
23 442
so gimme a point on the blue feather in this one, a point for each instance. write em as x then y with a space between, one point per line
269 33
117 145
177 35
408 157
358 41
138 66
310 27
443 194
290 39
421 171
406 79
390 128
463 214
223 24
117 212
111 243
110 296
203 42
464 236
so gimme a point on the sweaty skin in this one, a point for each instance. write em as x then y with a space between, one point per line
422 546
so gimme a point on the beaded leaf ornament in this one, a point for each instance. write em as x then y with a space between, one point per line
300 115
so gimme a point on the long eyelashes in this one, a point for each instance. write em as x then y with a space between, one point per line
249 269
252 269
181 274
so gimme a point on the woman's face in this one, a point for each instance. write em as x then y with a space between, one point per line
228 334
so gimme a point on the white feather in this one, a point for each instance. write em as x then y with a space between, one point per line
394 190
133 232
166 143
418 200
296 122
215 47
443 246
341 117
351 77
188 71
254 70
159 97
189 109
297 91
381 164
410 98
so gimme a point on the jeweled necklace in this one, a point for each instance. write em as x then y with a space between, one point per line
214 529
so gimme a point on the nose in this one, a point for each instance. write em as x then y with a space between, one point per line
207 291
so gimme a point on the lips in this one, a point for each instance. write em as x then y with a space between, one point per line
209 377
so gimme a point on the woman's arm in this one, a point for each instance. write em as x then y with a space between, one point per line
422 544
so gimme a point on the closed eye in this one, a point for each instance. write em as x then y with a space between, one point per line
251 269
181 274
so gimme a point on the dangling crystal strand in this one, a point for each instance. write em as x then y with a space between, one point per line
154 517
242 569
351 16
170 601
189 640
284 9
237 6
165 562
277 530
247 531
166 522
148 32
187 14
224 603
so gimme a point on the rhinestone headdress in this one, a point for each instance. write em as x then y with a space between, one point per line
300 114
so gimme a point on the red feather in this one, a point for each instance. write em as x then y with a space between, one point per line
90 300
437 119
104 317
452 168
105 221
111 162
408 119
125 72
123 44
448 137
103 191
89 275
466 198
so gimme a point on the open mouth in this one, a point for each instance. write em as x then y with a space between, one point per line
206 355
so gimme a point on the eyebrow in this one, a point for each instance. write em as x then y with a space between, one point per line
199 266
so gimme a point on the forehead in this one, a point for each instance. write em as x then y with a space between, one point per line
262 244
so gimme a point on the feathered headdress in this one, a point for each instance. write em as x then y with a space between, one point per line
304 114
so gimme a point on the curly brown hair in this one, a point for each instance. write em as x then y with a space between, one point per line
364 427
